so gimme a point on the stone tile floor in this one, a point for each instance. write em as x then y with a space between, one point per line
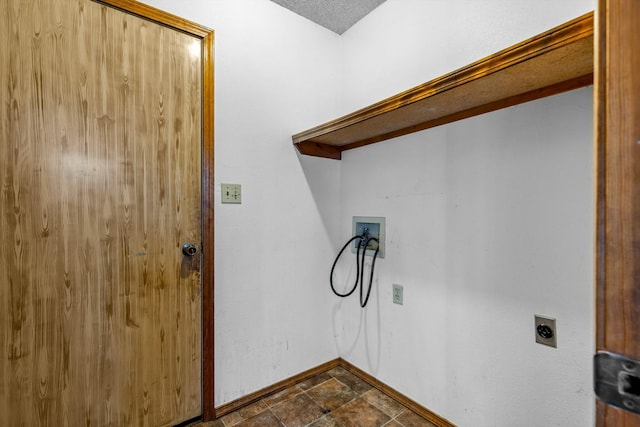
335 398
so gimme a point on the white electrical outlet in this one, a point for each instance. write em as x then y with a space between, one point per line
231 193
397 294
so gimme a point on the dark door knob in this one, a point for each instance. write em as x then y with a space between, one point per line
189 249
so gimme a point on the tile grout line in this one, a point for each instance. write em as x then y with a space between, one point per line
322 407
276 416
303 391
400 413
358 395
394 417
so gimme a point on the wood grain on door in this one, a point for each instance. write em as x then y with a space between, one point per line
100 169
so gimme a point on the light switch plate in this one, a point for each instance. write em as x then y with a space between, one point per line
231 193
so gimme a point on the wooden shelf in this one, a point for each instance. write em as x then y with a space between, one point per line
556 61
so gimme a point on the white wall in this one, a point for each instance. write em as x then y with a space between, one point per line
489 221
276 74
404 43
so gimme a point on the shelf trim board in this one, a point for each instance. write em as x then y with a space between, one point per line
550 51
318 149
555 89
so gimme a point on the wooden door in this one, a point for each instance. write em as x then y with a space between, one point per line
618 153
100 168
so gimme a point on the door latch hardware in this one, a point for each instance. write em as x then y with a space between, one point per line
617 380
189 249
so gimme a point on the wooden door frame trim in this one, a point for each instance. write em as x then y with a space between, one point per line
206 35
617 134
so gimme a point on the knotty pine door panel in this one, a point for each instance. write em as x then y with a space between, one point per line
100 127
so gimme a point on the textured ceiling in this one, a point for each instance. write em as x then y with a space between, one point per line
335 15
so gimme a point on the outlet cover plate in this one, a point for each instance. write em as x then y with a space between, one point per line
547 324
231 193
397 294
